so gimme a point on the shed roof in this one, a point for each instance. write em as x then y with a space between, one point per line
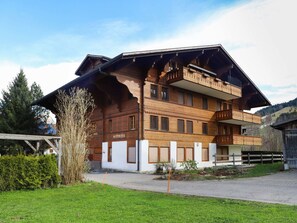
283 124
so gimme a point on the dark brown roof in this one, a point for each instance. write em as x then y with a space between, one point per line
147 58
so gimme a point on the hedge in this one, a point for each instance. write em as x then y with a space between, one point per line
28 172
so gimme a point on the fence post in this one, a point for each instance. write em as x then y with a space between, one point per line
271 157
261 158
282 158
215 156
233 159
249 159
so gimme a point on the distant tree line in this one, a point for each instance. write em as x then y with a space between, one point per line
277 107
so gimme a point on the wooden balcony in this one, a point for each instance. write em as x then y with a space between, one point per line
237 117
238 140
203 83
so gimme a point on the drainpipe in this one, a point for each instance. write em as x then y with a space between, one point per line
140 124
138 141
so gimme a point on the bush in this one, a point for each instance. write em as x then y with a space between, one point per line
190 165
28 172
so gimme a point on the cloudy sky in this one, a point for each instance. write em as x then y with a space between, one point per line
49 39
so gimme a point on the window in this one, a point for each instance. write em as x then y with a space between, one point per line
189 127
180 99
153 155
189 99
224 106
154 91
110 125
222 153
154 122
184 154
219 105
204 103
180 125
132 122
165 94
164 154
180 154
189 154
157 154
131 158
205 154
109 154
164 124
204 128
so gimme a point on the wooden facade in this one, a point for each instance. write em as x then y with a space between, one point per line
182 95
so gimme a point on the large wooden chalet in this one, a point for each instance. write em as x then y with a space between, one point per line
167 105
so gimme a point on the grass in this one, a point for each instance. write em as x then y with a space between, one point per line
90 202
264 169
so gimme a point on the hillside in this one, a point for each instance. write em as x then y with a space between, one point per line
275 108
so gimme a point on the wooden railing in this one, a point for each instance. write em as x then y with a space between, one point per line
204 80
237 115
238 140
248 158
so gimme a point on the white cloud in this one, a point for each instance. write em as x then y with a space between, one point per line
49 77
259 35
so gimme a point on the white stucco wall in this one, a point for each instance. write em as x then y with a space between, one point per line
237 151
119 157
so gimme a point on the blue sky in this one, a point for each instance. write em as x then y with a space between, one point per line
49 39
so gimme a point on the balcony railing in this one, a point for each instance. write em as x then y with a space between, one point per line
203 83
238 140
237 117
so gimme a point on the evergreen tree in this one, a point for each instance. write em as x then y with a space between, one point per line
17 115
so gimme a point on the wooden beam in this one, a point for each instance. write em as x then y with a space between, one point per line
26 137
52 145
32 147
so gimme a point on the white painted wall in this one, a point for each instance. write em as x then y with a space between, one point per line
119 157
237 151
144 165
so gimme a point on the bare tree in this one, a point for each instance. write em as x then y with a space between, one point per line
73 112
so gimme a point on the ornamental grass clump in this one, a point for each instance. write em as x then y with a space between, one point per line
73 111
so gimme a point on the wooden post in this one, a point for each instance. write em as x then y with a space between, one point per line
249 159
282 158
168 185
261 158
271 157
215 155
233 159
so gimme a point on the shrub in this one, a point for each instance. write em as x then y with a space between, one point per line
28 172
190 165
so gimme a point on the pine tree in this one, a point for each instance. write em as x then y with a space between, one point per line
17 115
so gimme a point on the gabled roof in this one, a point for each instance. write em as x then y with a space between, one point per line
283 124
103 65
94 60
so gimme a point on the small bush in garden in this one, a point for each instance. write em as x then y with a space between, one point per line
28 172
190 165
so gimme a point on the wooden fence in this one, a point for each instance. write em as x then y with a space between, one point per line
248 158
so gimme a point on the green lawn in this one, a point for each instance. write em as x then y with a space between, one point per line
90 202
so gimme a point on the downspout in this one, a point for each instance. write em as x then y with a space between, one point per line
140 124
138 141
